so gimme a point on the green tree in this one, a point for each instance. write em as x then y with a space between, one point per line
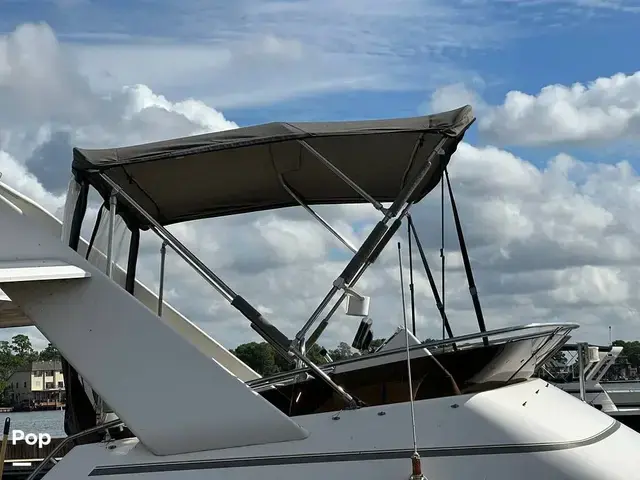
48 354
630 352
282 364
8 363
7 358
262 358
314 354
22 349
376 343
630 357
342 352
259 356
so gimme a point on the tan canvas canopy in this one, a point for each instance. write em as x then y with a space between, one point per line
250 169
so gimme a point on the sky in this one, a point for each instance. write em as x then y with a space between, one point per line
546 180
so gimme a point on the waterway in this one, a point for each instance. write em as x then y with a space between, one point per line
51 422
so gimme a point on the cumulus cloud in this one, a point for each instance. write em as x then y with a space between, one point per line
49 107
547 243
454 96
604 110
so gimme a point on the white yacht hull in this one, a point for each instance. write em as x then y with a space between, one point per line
530 430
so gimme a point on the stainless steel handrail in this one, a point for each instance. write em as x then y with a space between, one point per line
286 377
328 368
75 436
550 329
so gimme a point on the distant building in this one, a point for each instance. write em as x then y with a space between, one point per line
38 383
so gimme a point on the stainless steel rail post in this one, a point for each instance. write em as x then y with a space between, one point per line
581 353
163 256
113 202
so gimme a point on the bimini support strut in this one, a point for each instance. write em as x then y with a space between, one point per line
374 256
315 215
375 242
163 258
113 204
432 282
345 178
467 263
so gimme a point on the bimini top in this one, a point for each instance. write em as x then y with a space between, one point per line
243 170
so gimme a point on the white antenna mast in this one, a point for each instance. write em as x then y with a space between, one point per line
416 467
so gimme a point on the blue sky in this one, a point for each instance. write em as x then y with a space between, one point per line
496 46
414 46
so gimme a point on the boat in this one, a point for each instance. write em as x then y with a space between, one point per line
232 427
471 365
586 381
472 362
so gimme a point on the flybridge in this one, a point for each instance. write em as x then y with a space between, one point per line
248 169
272 166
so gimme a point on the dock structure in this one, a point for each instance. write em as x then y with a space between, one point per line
22 458
15 470
22 452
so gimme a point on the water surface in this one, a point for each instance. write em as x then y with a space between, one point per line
51 422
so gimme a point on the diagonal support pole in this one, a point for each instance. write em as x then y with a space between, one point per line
313 338
343 177
315 215
432 282
467 263
412 293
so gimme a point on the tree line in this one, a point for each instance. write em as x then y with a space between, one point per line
630 352
263 359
